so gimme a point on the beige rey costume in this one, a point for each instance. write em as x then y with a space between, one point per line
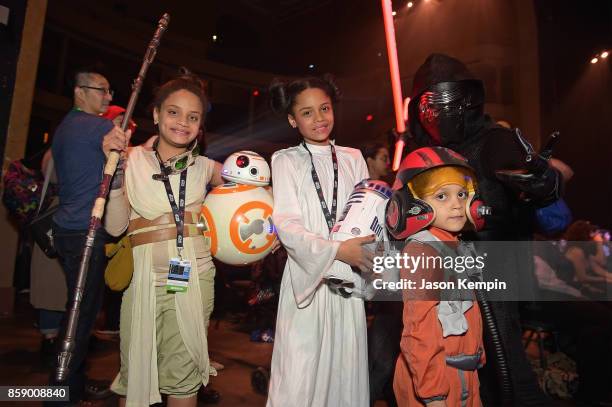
163 335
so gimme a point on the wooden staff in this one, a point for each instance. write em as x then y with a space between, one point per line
68 344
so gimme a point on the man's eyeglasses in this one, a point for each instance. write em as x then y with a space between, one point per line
105 90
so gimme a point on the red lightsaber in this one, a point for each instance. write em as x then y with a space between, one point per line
396 86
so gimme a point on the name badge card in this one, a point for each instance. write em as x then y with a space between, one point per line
178 275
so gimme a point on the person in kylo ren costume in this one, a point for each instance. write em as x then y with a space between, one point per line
447 109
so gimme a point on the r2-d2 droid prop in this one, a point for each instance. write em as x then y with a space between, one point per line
364 213
237 216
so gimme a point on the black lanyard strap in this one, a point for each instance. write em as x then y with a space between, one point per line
330 218
177 210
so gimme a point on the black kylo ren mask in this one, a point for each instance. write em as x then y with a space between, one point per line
446 107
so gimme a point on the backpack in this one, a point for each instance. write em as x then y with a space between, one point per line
22 189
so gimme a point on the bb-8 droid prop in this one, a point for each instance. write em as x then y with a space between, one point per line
237 216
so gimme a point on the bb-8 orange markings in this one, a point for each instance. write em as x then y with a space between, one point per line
237 217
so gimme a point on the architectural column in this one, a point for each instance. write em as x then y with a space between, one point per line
17 134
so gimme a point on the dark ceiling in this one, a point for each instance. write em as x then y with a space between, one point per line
282 36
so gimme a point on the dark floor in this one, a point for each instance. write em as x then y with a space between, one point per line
20 362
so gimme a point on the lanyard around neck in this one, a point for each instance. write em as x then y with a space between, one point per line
177 210
330 217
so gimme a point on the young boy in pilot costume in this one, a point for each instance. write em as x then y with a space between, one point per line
441 343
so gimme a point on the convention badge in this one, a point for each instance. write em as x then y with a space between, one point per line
178 275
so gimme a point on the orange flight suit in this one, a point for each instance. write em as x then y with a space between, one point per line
421 372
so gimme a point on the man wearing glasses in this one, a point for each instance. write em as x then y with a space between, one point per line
80 146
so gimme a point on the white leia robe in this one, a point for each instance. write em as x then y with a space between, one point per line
320 355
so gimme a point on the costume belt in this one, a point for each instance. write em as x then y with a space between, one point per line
465 362
164 228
